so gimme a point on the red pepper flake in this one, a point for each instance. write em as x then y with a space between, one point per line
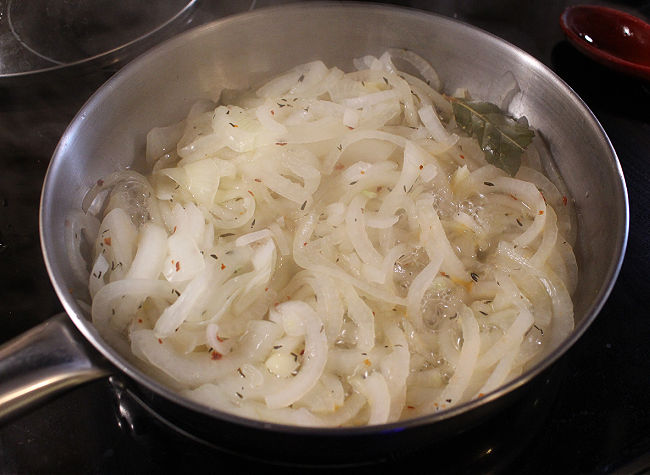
219 339
272 112
160 341
564 200
541 211
379 188
410 407
513 197
351 128
288 297
266 289
258 180
462 156
178 266
543 197
215 355
367 362
339 166
304 244
421 167
444 274
223 266
252 194
139 320
107 241
480 395
100 182
280 143
302 352
373 313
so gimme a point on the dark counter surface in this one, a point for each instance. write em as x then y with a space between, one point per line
599 421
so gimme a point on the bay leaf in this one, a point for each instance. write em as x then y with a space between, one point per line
502 138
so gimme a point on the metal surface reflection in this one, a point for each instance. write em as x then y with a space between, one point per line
43 35
43 362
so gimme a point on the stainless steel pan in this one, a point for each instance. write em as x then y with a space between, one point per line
234 53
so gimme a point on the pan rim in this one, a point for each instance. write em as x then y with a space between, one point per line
92 335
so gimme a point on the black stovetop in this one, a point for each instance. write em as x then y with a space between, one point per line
599 421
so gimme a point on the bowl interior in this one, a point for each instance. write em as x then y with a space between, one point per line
234 53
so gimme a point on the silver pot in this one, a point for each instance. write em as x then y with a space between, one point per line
237 52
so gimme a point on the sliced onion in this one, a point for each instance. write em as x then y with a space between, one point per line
453 392
424 68
315 356
418 288
280 263
375 389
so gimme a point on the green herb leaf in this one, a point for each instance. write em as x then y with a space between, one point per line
501 137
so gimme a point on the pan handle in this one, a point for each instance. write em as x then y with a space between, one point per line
43 362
